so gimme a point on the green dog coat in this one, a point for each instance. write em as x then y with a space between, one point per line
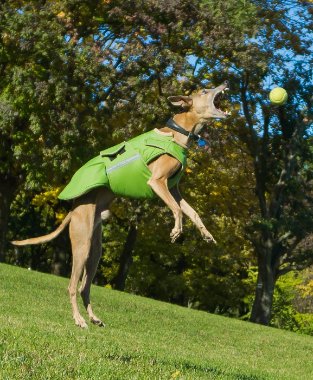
124 167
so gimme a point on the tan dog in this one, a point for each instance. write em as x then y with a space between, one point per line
89 209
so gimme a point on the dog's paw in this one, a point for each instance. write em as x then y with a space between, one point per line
97 322
179 240
209 239
80 322
175 234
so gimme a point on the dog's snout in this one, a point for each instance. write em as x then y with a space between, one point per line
226 83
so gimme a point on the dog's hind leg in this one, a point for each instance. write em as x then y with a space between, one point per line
102 199
90 271
81 232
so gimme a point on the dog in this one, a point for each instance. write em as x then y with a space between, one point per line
92 204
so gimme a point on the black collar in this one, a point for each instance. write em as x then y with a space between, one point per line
171 124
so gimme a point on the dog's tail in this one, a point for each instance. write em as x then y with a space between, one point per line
46 238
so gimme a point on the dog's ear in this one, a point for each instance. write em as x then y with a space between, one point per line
181 101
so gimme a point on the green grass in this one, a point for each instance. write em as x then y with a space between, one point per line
144 339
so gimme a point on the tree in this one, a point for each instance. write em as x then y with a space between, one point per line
278 141
67 67
100 71
48 100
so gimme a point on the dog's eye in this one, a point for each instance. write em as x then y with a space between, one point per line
203 92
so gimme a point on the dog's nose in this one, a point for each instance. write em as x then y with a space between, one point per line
226 83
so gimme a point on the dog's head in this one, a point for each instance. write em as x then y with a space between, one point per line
204 102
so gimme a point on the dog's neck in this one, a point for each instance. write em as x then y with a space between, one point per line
190 122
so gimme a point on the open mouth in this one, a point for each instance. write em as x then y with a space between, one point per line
220 102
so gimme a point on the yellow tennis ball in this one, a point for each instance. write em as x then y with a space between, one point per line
278 96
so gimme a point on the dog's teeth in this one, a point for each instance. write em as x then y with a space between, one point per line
223 92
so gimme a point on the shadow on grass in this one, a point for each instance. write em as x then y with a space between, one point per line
187 366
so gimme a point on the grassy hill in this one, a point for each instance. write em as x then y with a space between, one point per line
144 339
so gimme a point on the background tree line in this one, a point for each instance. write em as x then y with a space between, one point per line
79 76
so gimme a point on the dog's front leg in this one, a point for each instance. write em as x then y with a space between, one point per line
162 169
193 215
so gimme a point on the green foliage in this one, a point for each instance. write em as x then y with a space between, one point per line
287 312
47 90
292 306
278 141
42 210
284 313
79 76
143 339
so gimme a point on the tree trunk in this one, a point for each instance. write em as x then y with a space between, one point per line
263 301
6 197
262 306
125 259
